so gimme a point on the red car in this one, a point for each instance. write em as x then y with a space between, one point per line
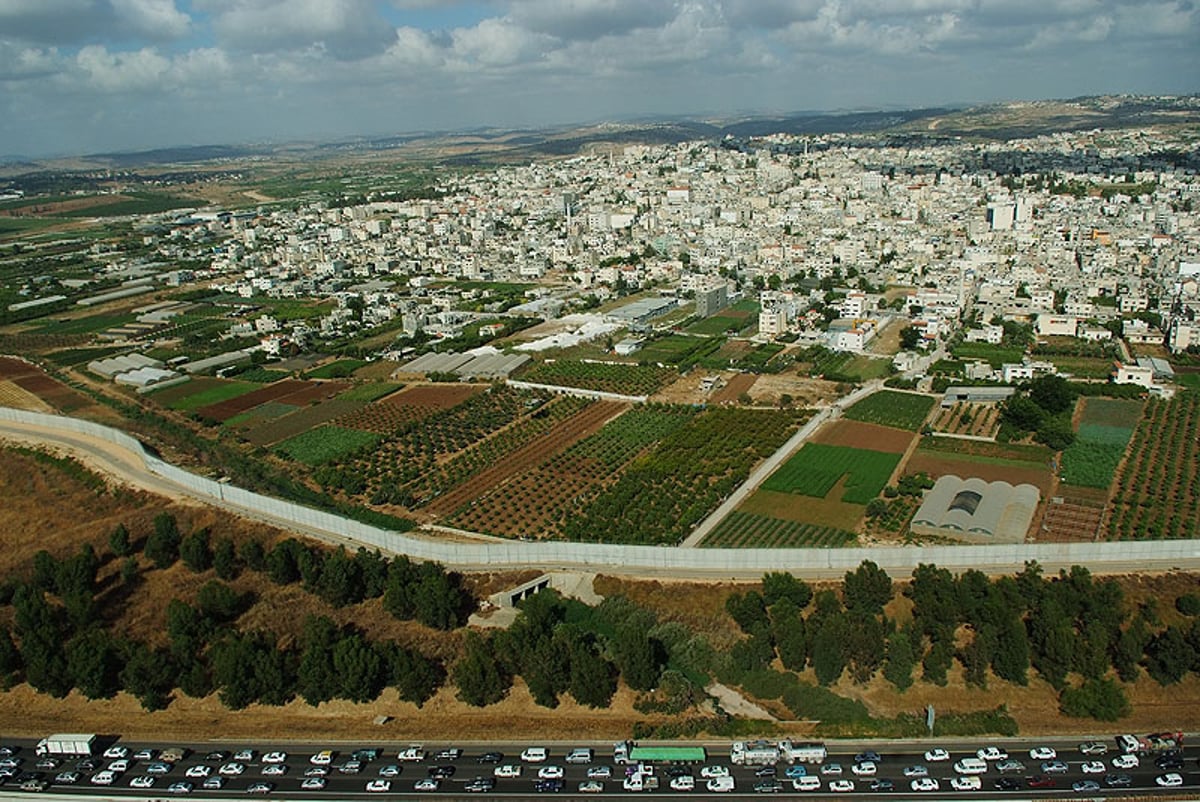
1040 781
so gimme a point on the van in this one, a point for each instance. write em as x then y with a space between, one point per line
807 783
971 765
581 755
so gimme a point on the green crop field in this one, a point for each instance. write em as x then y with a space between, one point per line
209 394
1104 431
320 445
746 530
890 408
816 468
606 377
995 354
718 324
336 370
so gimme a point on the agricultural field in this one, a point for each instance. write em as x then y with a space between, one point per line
265 432
635 380
1012 463
816 468
1105 426
678 348
398 410
1157 491
830 511
845 366
339 369
748 531
892 408
262 375
198 393
995 355
864 435
1083 367
371 391
290 391
17 397
974 419
269 411
324 444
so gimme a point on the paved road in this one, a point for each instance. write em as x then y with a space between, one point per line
125 462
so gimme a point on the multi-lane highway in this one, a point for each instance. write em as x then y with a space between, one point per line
346 771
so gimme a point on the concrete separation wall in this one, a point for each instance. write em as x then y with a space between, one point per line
746 564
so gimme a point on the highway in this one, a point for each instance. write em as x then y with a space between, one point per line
402 775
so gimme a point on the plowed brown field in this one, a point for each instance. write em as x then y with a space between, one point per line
864 435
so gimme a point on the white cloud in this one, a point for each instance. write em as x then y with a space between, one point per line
347 29
157 19
590 19
121 72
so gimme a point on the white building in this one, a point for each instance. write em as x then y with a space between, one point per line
1057 325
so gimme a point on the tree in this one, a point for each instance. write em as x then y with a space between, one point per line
283 561
162 546
478 675
225 560
341 580
1010 660
359 668
196 552
877 508
867 589
253 555
827 658
316 679
1052 393
130 572
149 674
748 610
898 667
1129 649
1055 431
10 659
94 664
415 676
1169 656
220 603
638 656
780 585
910 337
118 542
1101 699
790 633
937 662
1022 413
438 599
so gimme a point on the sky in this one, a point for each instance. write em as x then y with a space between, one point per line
90 76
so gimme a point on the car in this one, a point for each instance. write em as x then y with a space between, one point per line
482 785
867 768
217 756
261 788
232 769
599 773
180 788
145 754
924 784
1118 780
1168 763
174 754
104 778
1093 748
142 781
158 767
8 750
350 767
245 755
937 756
507 770
365 755
1171 780
882 784
808 783
1042 753
1040 781
916 771
313 783
454 753
413 754
88 764
1085 786
11 762
7 772
213 784
316 771
49 764
1092 767
842 786
1007 784
490 757
198 772
765 771
991 753
275 757
1125 762
684 782
1054 767
549 786
720 785
441 772
679 771
580 755
831 769
390 770
769 786
593 787
322 758
713 772
67 778
869 756
427 784
35 786
116 752
1009 765
550 773
379 786
535 754
119 766
275 770
971 783
795 771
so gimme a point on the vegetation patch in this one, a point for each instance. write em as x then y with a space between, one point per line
339 369
607 377
891 408
746 530
371 391
205 394
1092 460
816 468
325 443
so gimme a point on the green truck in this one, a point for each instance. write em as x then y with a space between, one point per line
626 752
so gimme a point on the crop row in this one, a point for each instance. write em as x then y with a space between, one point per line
1158 490
747 530
1092 460
817 467
601 376
890 408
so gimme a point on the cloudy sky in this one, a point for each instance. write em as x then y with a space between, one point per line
84 76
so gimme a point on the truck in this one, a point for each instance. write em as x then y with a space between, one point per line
625 752
640 777
803 751
754 753
66 745
1154 743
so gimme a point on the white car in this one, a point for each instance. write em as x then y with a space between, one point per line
428 784
550 773
924 784
1125 762
245 756
937 756
198 772
275 770
413 754
180 788
313 784
599 773
507 770
916 771
379 786
1093 748
807 783
104 778
832 769
119 766
116 752
971 783
865 769
591 787
232 769
991 753
144 781
275 757
1093 767
322 758
684 782
214 783
713 772
720 785
1042 753
535 754
1171 780
842 786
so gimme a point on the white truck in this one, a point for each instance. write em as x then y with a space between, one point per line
802 751
66 745
640 778
754 753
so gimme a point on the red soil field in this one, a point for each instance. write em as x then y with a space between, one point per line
741 383
225 410
411 404
11 368
935 465
856 434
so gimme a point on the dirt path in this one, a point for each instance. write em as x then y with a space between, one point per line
737 705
